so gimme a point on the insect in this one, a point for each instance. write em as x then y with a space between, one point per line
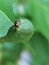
15 26
23 29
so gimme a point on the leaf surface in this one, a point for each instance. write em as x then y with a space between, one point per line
40 16
5 24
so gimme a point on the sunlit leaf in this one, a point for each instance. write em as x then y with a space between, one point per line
5 24
40 15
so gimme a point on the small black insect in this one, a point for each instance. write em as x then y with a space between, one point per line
15 26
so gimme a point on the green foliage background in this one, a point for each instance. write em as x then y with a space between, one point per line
38 45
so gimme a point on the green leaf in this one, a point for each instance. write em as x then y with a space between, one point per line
40 46
6 7
40 13
5 24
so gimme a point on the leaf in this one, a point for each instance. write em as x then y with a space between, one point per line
6 7
40 46
5 24
40 13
